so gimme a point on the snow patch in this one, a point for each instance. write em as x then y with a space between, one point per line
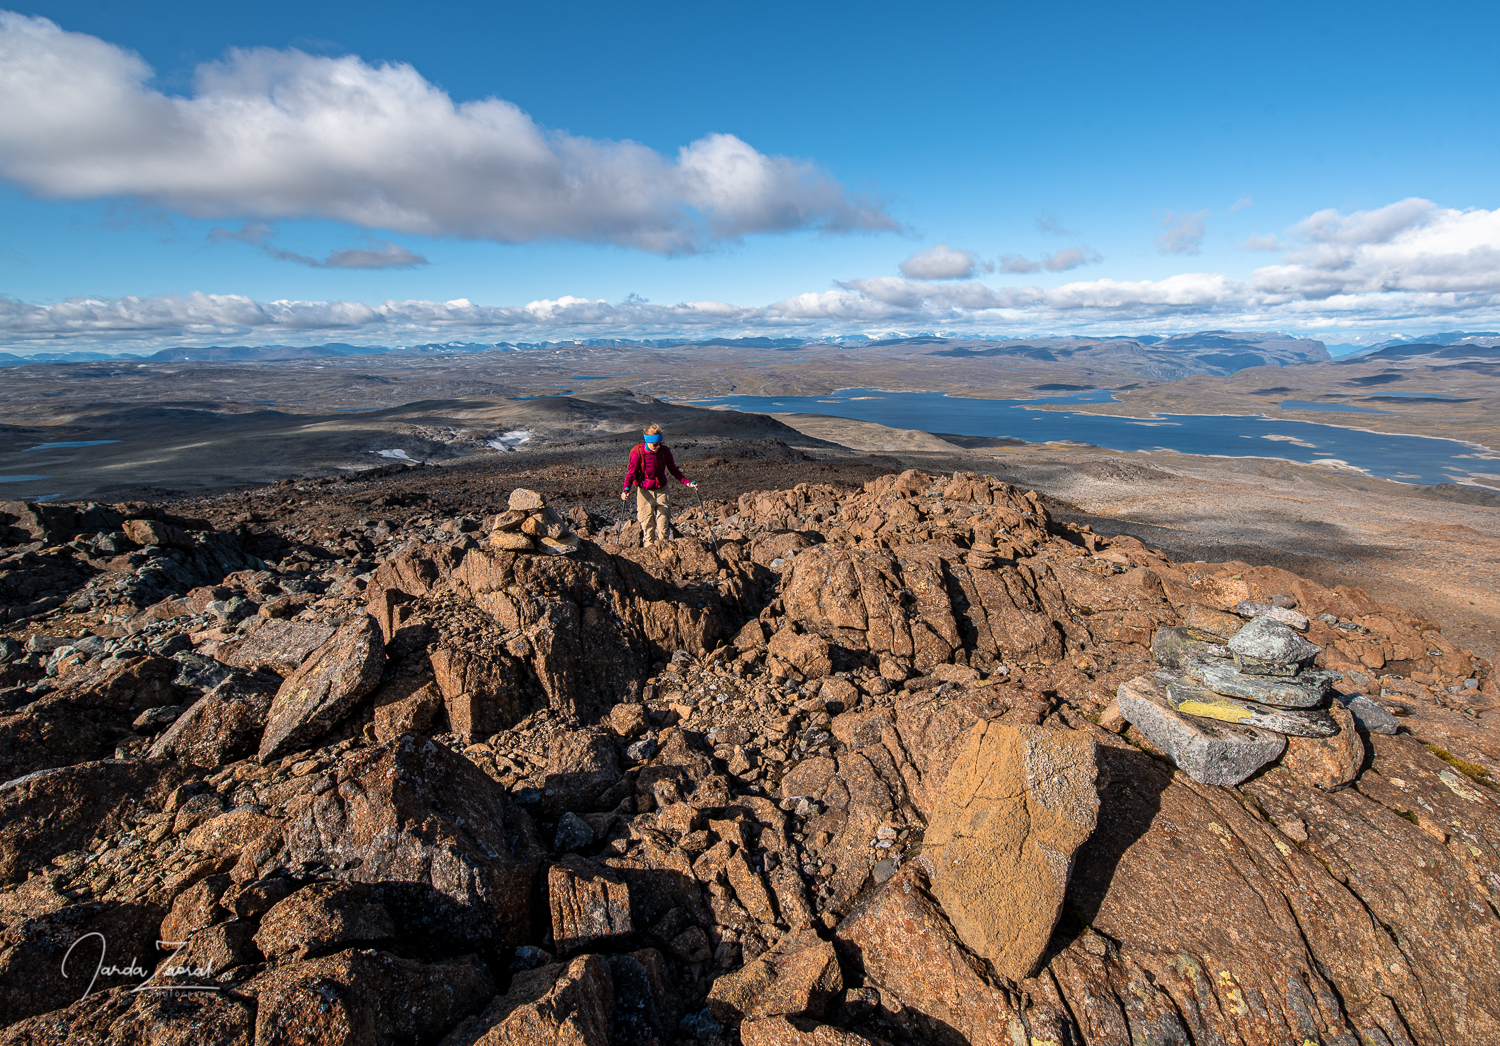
509 440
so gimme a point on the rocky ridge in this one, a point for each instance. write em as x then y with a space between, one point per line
407 784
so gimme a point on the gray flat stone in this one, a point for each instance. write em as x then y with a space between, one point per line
1171 646
1369 717
1193 700
1267 639
1275 613
1208 751
1254 666
1222 677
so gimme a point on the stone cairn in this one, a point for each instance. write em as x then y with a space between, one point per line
530 525
1229 694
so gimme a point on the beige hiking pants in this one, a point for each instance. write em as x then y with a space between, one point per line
651 512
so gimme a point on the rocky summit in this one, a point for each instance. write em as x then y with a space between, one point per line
906 761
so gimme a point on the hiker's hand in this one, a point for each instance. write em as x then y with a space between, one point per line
624 494
694 484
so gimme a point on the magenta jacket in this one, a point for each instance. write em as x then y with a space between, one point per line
649 468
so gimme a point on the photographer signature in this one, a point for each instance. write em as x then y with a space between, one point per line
151 980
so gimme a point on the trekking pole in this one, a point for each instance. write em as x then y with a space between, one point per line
713 531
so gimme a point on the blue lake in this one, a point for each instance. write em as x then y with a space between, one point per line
1414 459
74 443
1336 407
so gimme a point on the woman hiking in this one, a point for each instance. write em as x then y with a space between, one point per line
650 461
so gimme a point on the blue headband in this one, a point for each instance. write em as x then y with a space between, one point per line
653 439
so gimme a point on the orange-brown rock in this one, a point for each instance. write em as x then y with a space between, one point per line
407 709
364 998
805 654
34 977
589 905
223 725
53 811
413 811
125 1017
932 989
1328 762
798 976
779 1031
325 689
323 918
560 1003
276 646
1018 803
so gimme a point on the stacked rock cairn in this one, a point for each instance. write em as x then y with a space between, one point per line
530 525
1228 695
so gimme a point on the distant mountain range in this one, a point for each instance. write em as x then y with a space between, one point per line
1165 357
1443 338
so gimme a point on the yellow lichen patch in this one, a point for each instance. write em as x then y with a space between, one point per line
1234 999
1226 712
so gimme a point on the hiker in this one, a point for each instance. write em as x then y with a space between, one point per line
650 461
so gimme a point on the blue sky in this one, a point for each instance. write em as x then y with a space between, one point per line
1089 167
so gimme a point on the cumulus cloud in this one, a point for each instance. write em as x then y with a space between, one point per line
282 134
1413 262
941 262
1184 233
376 254
1412 247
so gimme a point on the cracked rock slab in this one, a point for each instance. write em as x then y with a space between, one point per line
1016 806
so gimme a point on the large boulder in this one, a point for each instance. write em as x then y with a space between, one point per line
325 689
323 918
48 962
276 646
83 718
589 905
413 811
932 989
366 998
1016 806
559 1003
799 976
53 811
223 725
125 1017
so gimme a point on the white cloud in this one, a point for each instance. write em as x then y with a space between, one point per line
1184 233
941 262
1241 204
1017 263
1412 247
1411 264
282 134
